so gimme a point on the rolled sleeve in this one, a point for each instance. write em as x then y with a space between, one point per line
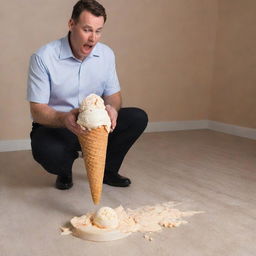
38 85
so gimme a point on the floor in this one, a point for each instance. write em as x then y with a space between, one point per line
203 170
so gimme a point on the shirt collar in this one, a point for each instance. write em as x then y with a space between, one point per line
66 52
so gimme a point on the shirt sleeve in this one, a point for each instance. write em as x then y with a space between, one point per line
112 83
38 85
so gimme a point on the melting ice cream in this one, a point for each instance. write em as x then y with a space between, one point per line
93 113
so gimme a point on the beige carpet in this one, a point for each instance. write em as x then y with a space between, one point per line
201 169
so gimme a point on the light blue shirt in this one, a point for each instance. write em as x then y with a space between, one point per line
62 81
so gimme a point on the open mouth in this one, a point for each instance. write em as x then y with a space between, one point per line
87 46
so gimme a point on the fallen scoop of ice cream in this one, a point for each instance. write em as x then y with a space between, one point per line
105 217
93 113
100 226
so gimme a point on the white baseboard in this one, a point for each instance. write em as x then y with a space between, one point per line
15 145
176 126
232 129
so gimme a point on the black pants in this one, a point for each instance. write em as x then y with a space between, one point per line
57 148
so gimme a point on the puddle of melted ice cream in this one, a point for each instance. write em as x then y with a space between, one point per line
146 219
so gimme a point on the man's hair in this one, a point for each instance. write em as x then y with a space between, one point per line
91 6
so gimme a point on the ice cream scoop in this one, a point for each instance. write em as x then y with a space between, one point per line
105 217
93 113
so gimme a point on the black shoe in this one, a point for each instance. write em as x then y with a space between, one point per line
64 182
116 180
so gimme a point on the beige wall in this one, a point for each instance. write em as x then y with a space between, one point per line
26 25
234 80
164 53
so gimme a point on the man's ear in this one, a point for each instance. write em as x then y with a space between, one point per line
71 23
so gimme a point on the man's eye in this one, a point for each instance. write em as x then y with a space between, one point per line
87 30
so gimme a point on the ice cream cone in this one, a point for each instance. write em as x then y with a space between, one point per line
94 146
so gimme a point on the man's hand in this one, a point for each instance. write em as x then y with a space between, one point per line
70 123
113 104
113 116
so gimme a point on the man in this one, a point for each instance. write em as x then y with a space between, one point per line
61 75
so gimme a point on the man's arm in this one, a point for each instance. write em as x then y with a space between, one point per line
113 104
114 100
45 115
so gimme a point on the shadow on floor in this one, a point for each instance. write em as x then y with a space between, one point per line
20 170
25 181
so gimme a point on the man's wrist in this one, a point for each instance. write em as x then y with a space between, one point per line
61 119
109 106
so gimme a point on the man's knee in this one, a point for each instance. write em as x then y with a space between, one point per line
139 118
53 158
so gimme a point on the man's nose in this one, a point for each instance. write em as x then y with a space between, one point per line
92 36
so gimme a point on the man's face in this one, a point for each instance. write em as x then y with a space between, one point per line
85 33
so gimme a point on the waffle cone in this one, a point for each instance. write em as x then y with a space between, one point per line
94 146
